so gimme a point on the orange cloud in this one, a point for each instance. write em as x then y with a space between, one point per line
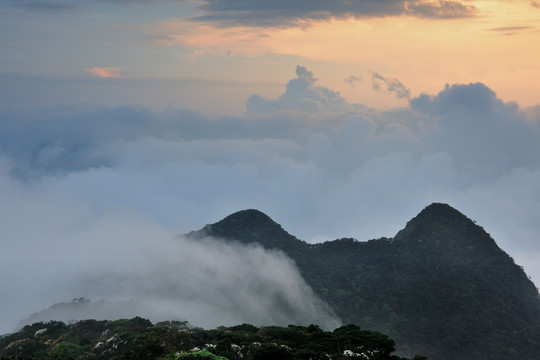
210 38
423 53
104 72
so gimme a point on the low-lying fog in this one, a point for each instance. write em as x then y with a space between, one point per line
142 269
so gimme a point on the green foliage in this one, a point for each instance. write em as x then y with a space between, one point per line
201 355
66 351
94 339
245 329
129 323
175 324
350 337
269 351
288 336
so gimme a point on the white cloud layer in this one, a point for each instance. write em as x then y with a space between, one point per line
54 250
77 181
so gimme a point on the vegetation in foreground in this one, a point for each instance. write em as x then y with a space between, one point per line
171 340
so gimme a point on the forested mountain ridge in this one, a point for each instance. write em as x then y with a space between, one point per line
441 287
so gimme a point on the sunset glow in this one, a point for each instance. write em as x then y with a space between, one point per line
104 72
492 47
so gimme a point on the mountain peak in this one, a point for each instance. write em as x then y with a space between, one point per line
252 226
441 210
440 214
441 222
250 217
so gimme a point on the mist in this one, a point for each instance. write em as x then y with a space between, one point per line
142 269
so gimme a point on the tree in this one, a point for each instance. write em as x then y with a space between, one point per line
268 351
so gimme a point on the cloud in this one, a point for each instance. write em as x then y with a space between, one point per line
83 309
352 80
392 85
439 9
63 5
24 92
213 38
101 181
72 251
301 94
511 30
104 72
279 13
44 6
486 137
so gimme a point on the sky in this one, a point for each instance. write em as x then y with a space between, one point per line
139 120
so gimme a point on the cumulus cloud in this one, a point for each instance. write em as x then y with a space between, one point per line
486 137
101 181
392 85
301 94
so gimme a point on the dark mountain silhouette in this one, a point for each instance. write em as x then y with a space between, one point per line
441 287
253 226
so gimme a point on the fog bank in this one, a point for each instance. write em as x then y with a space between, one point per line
66 252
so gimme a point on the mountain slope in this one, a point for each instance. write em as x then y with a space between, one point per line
441 286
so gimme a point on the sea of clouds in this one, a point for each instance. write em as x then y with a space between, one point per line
92 196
